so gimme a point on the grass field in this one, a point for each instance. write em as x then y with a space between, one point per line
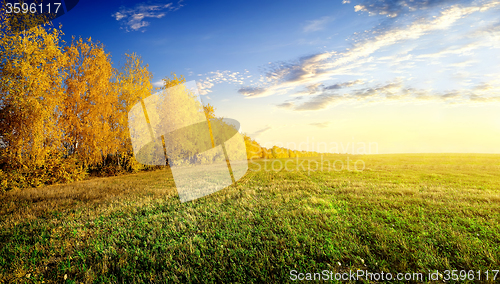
403 213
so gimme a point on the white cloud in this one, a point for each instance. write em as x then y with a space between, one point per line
392 9
158 83
133 18
217 77
316 25
119 16
204 87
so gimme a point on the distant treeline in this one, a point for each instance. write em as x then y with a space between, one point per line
255 151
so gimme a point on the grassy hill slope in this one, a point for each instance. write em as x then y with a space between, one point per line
403 213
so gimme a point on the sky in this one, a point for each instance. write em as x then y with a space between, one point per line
361 77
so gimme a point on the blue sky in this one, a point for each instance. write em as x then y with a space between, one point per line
409 76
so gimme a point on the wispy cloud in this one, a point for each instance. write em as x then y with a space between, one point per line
390 90
319 102
396 91
280 79
216 77
158 83
320 124
316 25
259 132
307 67
343 85
477 98
491 31
312 72
394 8
464 63
133 19
318 88
286 105
204 87
454 50
309 90
251 91
421 27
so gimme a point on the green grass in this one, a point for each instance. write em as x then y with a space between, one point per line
402 213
